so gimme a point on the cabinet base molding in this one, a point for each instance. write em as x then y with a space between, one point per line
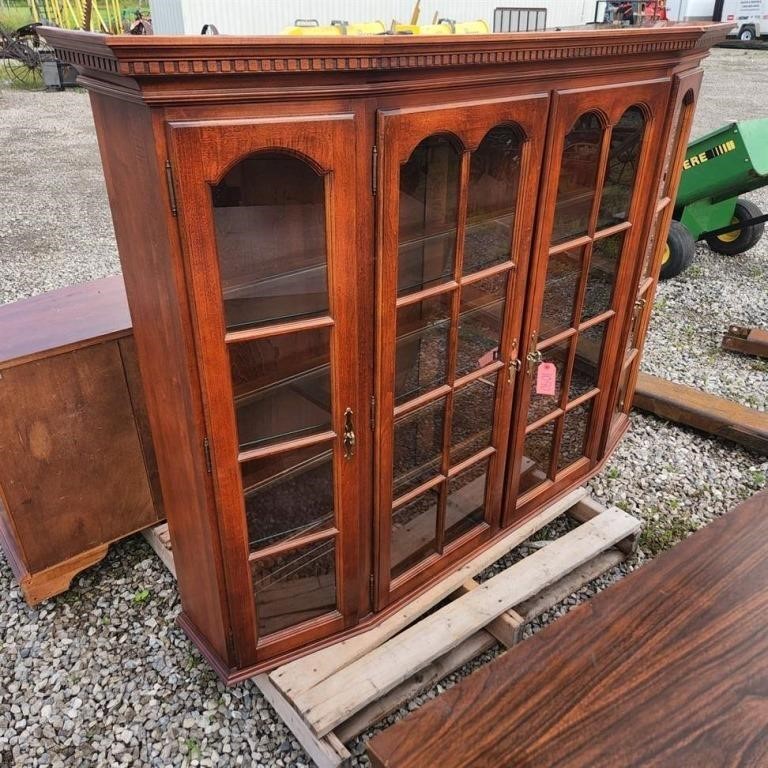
37 587
329 697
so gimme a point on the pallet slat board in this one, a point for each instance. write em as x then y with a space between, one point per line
331 696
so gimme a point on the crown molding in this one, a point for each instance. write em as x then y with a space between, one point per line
145 58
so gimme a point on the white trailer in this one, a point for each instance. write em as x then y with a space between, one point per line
749 16
269 17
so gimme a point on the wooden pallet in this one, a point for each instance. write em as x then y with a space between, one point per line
331 696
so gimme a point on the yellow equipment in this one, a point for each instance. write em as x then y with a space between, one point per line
311 28
443 27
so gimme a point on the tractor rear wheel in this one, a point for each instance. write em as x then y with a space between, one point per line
679 251
740 240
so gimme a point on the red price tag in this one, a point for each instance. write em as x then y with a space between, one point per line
546 377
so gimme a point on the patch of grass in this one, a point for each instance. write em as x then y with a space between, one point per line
14 17
613 473
141 596
758 478
694 271
660 304
662 531
760 365
193 746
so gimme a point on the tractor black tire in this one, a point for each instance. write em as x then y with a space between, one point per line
679 252
746 237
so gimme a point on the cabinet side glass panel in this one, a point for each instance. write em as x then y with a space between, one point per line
282 387
269 217
295 586
270 225
288 495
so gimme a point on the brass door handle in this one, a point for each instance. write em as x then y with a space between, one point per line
349 434
533 358
513 366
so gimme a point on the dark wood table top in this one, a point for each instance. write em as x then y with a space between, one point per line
667 668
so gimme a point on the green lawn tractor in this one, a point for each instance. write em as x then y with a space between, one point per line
717 169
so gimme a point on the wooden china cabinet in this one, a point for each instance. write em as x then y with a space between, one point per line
389 296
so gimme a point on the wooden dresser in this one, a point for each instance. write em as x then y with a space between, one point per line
389 296
78 469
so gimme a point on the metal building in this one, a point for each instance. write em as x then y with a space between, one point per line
268 17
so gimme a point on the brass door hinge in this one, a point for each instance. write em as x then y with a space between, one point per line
171 188
207 451
374 169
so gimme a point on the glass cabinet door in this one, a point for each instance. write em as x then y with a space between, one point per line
456 199
268 215
592 218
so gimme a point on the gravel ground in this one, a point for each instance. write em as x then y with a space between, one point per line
102 675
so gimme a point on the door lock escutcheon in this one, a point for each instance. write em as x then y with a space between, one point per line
349 434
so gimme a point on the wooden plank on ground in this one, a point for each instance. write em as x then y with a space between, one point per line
423 680
505 628
700 410
586 509
569 584
299 676
160 540
327 753
748 341
338 697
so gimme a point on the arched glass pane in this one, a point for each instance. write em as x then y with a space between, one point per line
623 156
269 214
429 190
494 176
578 178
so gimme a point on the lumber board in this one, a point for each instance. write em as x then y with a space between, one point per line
570 583
338 697
703 411
586 509
297 677
327 753
505 628
159 539
421 681
747 341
